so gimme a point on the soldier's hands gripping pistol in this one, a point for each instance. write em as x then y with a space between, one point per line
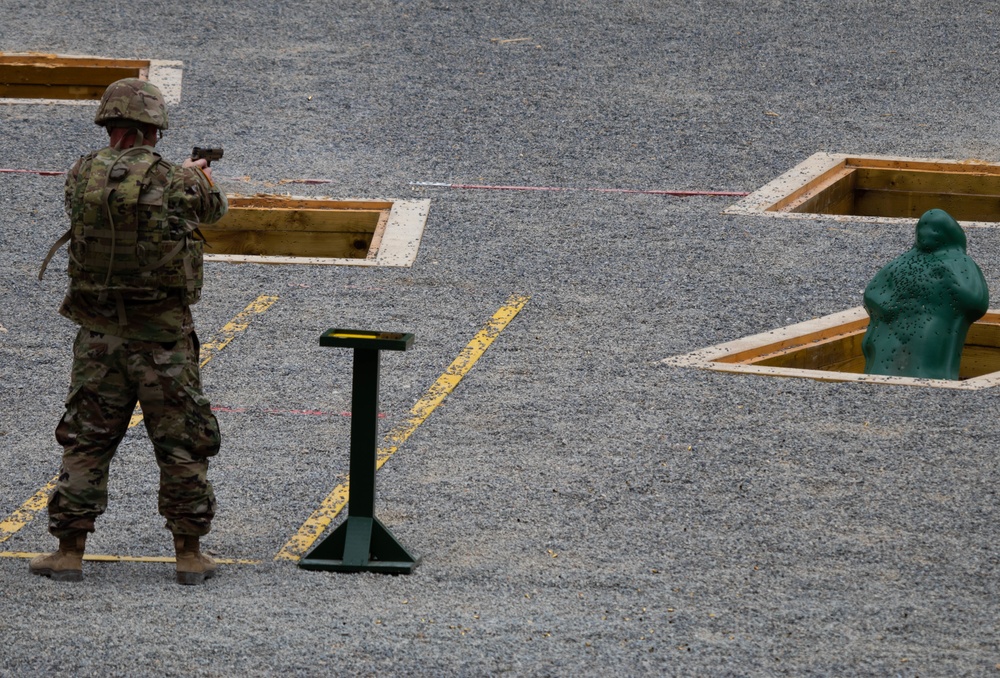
206 154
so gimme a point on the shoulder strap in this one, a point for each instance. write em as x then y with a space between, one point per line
52 251
165 259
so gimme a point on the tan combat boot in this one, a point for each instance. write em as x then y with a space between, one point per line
192 566
66 564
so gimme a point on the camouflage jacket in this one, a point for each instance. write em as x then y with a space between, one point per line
189 199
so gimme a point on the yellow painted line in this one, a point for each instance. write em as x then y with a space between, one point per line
334 503
228 332
23 515
235 326
98 558
345 335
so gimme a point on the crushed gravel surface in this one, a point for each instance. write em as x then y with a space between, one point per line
579 507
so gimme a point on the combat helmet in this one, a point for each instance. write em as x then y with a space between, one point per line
132 100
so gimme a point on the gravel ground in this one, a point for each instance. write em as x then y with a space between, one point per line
579 507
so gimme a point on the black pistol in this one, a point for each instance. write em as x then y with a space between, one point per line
209 154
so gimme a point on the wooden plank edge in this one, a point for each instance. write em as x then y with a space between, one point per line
40 60
772 192
808 342
974 384
823 182
924 165
772 337
288 261
376 241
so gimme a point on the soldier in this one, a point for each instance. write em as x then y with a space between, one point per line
135 267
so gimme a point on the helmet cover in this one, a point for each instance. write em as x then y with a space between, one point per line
132 99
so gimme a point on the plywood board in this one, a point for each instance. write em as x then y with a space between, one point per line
823 355
287 243
34 78
910 205
799 184
980 360
393 240
948 182
317 220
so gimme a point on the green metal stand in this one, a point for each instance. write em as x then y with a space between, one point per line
362 543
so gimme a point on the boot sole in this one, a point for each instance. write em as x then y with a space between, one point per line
60 575
193 578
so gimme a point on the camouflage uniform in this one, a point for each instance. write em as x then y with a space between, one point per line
138 346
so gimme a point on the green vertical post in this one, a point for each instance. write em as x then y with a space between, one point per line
364 431
362 543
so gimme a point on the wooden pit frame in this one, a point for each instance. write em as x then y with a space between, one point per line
81 79
834 342
821 180
394 242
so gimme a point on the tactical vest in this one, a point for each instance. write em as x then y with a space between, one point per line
122 239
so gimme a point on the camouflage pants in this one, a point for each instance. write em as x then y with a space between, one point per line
109 375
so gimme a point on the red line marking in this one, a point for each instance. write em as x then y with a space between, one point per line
480 187
679 194
44 173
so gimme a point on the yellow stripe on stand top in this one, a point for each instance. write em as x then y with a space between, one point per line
334 503
23 515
